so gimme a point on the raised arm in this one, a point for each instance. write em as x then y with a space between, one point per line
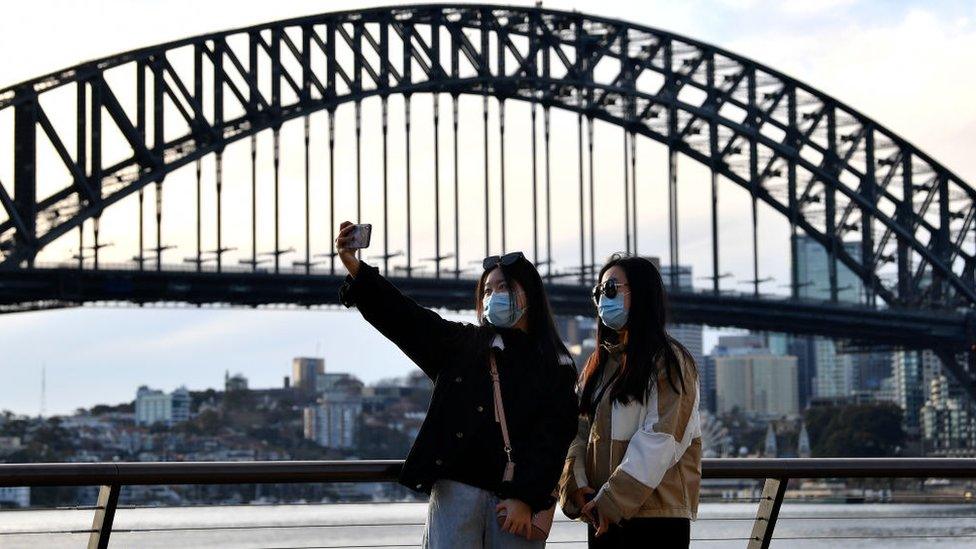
420 333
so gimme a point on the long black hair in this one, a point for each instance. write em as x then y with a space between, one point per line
541 323
648 341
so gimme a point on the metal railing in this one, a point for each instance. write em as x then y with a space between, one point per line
776 474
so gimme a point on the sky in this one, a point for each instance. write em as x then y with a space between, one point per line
910 65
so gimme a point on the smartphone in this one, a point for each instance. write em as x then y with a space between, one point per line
360 235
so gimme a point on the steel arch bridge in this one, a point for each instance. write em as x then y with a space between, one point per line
837 176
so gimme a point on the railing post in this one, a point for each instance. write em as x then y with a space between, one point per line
768 512
108 500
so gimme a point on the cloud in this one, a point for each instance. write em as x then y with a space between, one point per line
808 7
791 7
913 74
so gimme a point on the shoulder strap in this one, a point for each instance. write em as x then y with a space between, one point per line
500 416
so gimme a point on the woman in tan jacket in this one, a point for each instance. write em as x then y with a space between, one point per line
634 470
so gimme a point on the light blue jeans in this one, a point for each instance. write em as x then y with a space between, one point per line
461 516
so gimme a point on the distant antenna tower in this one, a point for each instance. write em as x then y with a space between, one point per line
43 390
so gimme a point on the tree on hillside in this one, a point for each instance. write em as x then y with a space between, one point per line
859 430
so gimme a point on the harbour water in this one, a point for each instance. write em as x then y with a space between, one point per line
720 525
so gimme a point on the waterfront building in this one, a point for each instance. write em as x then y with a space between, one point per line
948 420
913 372
154 406
333 421
757 382
304 372
836 376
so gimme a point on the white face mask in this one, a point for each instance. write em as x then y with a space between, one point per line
612 312
499 310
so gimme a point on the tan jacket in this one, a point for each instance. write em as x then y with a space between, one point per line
644 460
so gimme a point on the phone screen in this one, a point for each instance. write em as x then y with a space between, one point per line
361 235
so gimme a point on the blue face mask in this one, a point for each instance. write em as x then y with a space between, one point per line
498 310
612 311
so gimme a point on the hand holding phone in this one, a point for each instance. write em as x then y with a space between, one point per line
360 236
351 238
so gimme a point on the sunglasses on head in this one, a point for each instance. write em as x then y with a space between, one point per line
492 261
608 288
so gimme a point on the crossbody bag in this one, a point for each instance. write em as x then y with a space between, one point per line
542 520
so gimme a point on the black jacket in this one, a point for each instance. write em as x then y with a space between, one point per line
460 439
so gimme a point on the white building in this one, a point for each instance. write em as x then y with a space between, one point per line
333 422
154 406
759 383
837 374
16 496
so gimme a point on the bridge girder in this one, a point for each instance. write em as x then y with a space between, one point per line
707 103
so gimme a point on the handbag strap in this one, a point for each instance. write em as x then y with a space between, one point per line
500 416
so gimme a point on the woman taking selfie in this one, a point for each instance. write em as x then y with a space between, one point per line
503 410
634 469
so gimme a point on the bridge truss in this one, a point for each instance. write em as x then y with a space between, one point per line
837 176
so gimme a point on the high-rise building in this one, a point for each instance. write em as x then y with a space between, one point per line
180 407
948 420
873 368
913 372
689 335
836 375
334 421
706 377
154 406
777 343
804 349
813 271
305 370
762 384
